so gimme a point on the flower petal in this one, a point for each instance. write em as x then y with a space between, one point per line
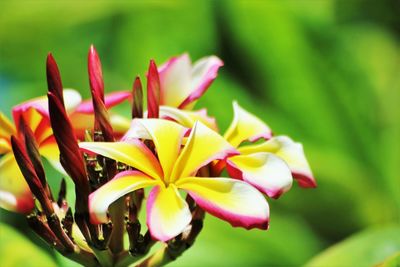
133 153
110 100
167 137
6 127
291 152
187 118
265 171
232 200
167 213
4 146
50 151
203 146
119 123
203 74
72 98
81 122
14 191
246 126
122 184
175 80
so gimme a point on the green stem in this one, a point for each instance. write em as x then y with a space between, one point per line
160 258
82 257
104 257
169 252
117 213
126 259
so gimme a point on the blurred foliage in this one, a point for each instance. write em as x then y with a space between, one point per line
323 72
368 248
15 250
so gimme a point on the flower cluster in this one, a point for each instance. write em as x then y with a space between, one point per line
170 148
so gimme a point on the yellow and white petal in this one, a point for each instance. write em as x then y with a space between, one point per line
231 200
167 213
291 152
122 184
4 145
81 122
265 171
72 99
203 73
167 137
187 118
119 123
203 146
6 127
133 153
49 150
175 80
246 126
14 191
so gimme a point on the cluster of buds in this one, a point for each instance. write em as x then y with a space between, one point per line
170 148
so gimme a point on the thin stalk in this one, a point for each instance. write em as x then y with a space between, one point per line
117 213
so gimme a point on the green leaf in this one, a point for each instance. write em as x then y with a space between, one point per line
288 242
16 250
367 248
392 261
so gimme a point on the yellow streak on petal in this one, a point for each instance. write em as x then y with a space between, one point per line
245 126
267 172
226 197
203 146
121 185
6 127
4 146
168 214
284 147
133 153
12 182
167 137
188 118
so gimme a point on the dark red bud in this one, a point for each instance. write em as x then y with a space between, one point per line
28 171
54 83
153 91
137 94
95 73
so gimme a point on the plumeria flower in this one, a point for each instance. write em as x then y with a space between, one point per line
269 165
174 168
14 192
182 84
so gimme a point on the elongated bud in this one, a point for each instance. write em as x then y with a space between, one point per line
28 171
33 150
70 155
44 231
54 83
137 94
153 91
101 117
95 73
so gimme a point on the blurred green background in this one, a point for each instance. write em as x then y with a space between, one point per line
326 73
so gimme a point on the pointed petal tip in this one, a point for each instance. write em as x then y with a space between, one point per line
305 180
167 213
265 171
231 200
